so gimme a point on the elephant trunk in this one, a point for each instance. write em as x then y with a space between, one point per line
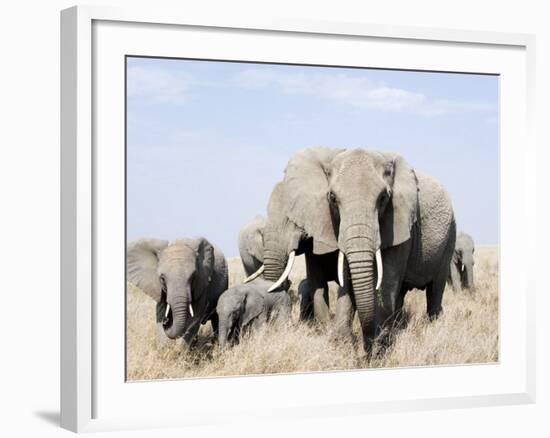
363 275
275 257
179 308
360 249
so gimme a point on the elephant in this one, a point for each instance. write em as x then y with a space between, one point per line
185 278
296 215
462 264
251 245
394 224
360 216
251 250
247 306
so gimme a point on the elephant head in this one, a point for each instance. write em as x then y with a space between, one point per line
237 308
177 276
463 258
298 215
373 199
251 246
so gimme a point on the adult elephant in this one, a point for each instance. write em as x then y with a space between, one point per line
462 263
390 229
251 245
185 278
299 222
396 232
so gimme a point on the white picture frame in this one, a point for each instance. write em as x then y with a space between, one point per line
93 396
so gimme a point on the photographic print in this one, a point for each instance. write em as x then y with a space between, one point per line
295 218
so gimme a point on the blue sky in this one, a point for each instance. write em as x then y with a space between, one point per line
206 141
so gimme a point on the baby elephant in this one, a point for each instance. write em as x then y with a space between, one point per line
461 273
248 305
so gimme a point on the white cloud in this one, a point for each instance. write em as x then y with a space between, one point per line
160 85
157 84
358 92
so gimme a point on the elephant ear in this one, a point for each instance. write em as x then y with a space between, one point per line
142 258
305 196
401 212
258 247
205 263
253 305
253 238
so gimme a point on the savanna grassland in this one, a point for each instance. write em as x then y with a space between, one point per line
467 332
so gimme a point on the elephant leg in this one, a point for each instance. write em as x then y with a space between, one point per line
456 280
390 297
434 290
215 321
306 301
234 334
392 301
399 319
318 288
345 312
258 322
320 304
434 297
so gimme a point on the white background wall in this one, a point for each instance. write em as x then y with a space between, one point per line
29 213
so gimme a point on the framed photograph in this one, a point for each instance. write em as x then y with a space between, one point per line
282 216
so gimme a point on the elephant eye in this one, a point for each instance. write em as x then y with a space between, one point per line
331 197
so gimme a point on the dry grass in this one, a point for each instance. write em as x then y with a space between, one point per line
467 332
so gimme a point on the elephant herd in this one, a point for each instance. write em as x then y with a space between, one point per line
362 218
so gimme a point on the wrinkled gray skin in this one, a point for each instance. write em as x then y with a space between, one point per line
248 306
183 273
380 203
462 264
251 245
298 218
251 248
357 202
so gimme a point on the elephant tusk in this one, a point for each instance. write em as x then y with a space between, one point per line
167 311
286 273
379 269
341 268
191 310
255 275
462 267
